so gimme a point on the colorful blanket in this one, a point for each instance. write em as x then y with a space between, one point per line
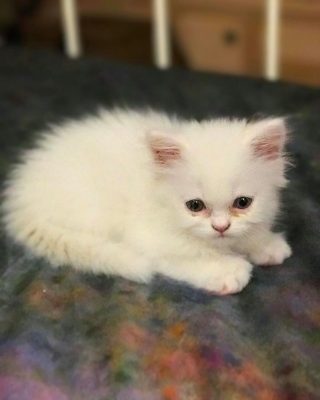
66 335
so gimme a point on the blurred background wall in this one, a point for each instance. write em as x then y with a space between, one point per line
212 35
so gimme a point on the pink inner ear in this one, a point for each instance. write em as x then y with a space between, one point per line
165 156
165 151
269 146
268 138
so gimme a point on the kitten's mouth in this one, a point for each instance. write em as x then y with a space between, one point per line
224 234
220 236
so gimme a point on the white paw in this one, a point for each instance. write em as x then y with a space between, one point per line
235 275
273 253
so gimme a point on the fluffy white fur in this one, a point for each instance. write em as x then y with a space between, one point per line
107 194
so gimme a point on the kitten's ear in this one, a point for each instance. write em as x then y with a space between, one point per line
267 138
165 150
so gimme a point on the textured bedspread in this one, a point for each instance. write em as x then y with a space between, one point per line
67 335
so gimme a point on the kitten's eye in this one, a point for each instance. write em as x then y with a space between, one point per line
195 205
242 202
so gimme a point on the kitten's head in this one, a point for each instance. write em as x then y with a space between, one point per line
222 177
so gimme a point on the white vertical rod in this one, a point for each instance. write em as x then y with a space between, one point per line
161 33
272 39
70 26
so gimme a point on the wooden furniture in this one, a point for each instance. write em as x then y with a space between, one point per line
161 36
160 31
213 35
228 36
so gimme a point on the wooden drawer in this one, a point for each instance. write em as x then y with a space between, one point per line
300 50
219 41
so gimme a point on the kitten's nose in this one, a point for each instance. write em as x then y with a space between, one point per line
221 228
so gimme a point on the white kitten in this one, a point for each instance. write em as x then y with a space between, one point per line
135 194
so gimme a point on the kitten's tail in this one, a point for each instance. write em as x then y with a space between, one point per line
64 246
58 244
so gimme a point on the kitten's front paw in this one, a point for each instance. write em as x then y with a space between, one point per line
274 252
235 276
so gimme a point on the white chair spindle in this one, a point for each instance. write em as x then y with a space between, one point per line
70 26
272 39
161 33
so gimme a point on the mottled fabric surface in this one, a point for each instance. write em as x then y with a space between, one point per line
66 335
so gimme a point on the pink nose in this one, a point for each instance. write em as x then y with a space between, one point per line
221 228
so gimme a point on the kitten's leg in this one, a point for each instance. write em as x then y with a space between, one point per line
225 274
264 247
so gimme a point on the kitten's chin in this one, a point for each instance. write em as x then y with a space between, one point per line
225 241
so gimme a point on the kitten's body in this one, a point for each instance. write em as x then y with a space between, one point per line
108 194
